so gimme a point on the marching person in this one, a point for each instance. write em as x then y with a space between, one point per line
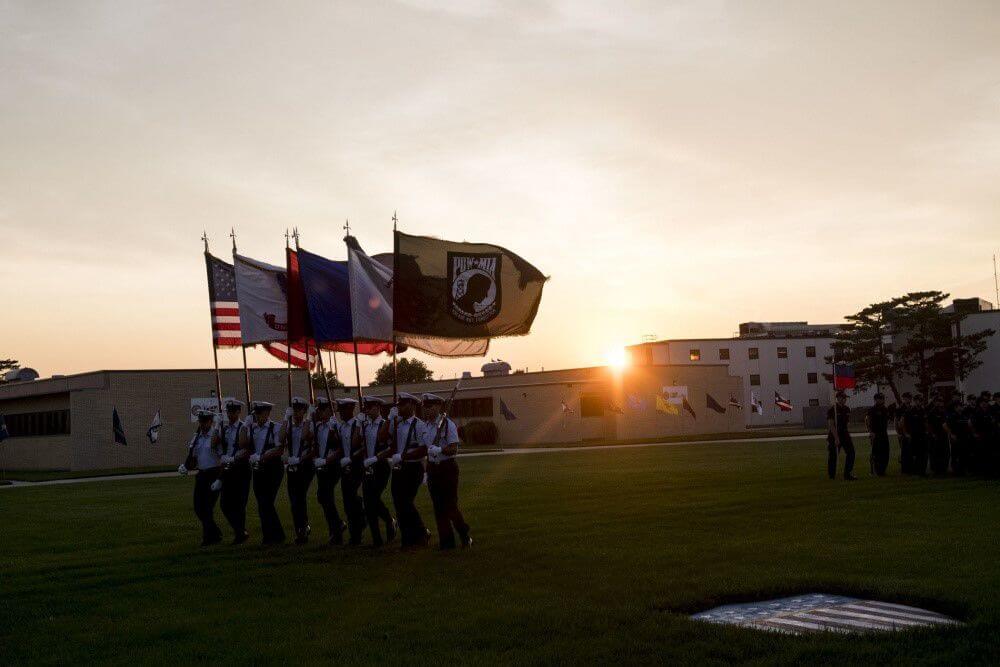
442 473
326 436
352 468
268 471
375 434
877 422
905 448
204 456
236 473
297 439
839 437
409 439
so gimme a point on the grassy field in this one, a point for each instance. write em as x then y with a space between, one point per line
583 556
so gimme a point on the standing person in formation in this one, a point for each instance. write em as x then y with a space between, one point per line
352 468
408 471
984 434
839 437
236 474
916 429
375 435
442 474
939 446
957 427
204 455
268 471
905 449
877 421
327 464
297 439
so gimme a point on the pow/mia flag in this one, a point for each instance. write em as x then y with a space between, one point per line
446 289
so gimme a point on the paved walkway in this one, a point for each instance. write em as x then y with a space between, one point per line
500 452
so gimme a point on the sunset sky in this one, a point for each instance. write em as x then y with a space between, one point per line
676 168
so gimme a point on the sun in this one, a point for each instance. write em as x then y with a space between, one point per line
616 358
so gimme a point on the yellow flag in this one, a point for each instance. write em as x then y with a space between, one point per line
663 406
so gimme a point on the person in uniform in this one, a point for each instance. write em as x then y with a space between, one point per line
905 450
916 430
352 468
957 428
983 430
442 474
877 422
938 441
268 470
377 450
839 437
236 474
297 439
326 434
204 455
409 438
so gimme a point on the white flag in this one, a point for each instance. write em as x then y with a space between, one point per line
262 292
755 404
153 433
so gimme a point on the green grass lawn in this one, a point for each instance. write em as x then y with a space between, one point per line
583 556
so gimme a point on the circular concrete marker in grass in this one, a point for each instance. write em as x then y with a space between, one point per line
818 612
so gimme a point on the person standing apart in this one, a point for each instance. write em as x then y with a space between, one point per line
877 422
204 456
236 474
352 468
297 438
327 466
409 438
268 471
442 474
839 437
375 434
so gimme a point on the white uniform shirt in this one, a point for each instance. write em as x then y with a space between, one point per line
231 437
294 434
448 436
371 428
258 435
347 429
403 428
322 431
203 451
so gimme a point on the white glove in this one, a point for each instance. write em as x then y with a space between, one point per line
182 469
255 458
397 459
288 413
216 485
319 462
434 450
370 461
227 460
293 460
393 413
346 461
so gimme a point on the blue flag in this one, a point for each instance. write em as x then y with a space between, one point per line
508 414
117 428
328 297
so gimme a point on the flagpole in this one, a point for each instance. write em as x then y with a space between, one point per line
243 348
215 349
394 376
312 389
288 328
357 366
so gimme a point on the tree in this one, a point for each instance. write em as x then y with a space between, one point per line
319 383
408 371
863 344
7 365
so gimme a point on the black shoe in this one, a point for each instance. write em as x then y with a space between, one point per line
850 478
241 538
390 530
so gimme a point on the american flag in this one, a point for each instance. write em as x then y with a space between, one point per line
226 315
783 403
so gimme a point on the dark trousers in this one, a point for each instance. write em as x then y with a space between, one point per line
326 482
298 492
373 485
204 503
940 453
350 487
905 455
918 446
880 453
831 461
266 483
442 482
235 493
406 482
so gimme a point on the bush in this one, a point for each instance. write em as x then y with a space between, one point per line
479 433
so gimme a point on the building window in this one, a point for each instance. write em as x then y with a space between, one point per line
811 351
782 352
811 378
34 424
813 402
782 378
723 354
754 380
592 405
753 353
694 355
469 408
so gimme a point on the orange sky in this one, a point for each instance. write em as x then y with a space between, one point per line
675 167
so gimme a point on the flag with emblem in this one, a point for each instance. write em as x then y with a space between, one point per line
665 406
450 290
153 432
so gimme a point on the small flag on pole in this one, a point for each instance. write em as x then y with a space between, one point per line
117 428
783 403
756 405
687 406
843 376
713 404
733 403
4 433
508 414
665 406
566 409
153 432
